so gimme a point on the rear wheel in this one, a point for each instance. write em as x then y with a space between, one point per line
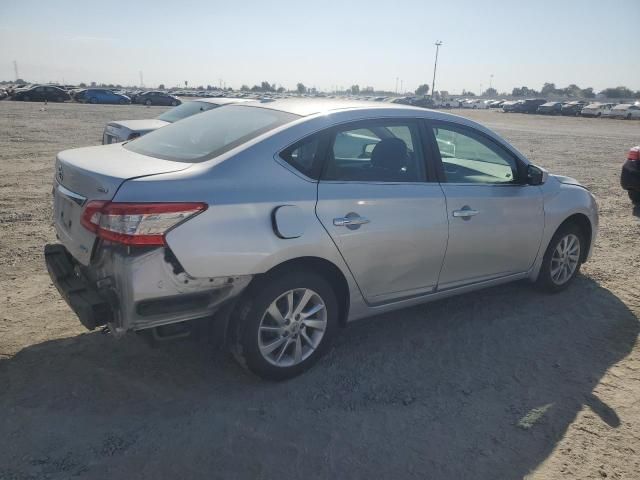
562 260
628 116
284 324
93 100
121 101
26 98
147 102
634 196
174 103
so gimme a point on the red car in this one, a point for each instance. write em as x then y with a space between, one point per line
630 176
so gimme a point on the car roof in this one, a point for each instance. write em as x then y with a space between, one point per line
221 100
311 106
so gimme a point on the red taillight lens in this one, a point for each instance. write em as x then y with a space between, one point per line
136 223
634 154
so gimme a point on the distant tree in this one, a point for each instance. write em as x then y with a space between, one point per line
490 92
93 84
245 88
548 89
266 87
355 89
618 92
301 88
82 85
201 87
422 89
523 92
572 90
637 94
280 89
587 93
468 94
161 86
20 81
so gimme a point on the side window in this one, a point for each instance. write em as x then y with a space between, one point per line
304 156
40 89
470 158
376 152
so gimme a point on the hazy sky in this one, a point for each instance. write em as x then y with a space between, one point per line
324 43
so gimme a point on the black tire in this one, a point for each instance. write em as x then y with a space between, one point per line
93 100
147 102
628 116
545 281
252 307
26 98
174 103
121 101
634 196
599 114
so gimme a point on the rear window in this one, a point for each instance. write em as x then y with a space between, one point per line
207 135
186 110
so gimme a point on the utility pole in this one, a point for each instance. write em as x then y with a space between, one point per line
396 85
491 80
15 69
401 89
435 66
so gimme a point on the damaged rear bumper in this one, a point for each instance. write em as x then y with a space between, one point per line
130 289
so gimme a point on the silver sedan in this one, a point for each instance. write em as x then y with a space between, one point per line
281 221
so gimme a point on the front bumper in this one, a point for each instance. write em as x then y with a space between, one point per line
630 175
129 289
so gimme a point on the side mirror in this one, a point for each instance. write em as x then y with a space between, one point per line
536 175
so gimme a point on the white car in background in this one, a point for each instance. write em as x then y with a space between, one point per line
475 104
597 109
625 110
124 130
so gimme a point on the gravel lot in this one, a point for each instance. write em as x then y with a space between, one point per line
501 384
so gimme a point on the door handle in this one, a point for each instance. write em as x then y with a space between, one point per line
465 212
351 220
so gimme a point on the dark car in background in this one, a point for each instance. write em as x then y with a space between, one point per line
101 95
156 98
41 93
630 176
510 105
550 108
530 105
573 108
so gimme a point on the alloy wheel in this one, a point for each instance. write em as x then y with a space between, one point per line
292 327
565 259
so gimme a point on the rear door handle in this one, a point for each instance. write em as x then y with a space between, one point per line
465 212
351 220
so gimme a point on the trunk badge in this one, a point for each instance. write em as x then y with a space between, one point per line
103 190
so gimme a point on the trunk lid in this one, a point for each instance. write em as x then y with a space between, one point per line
95 173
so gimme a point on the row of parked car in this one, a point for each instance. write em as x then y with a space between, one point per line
54 93
576 107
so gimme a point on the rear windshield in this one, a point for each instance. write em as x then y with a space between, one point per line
186 110
205 136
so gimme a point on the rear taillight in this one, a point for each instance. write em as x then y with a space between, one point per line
634 154
140 224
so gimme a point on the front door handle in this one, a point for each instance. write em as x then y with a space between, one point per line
351 220
465 212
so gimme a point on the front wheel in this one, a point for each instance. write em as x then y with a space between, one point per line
285 324
121 101
174 103
634 196
93 100
562 260
147 103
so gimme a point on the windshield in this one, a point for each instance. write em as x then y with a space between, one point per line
186 110
202 137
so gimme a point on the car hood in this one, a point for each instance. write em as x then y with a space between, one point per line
567 180
145 125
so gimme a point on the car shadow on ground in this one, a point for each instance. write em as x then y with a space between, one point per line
481 386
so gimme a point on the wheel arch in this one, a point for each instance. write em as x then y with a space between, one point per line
584 224
321 266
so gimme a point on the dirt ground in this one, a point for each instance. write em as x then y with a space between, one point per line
505 383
